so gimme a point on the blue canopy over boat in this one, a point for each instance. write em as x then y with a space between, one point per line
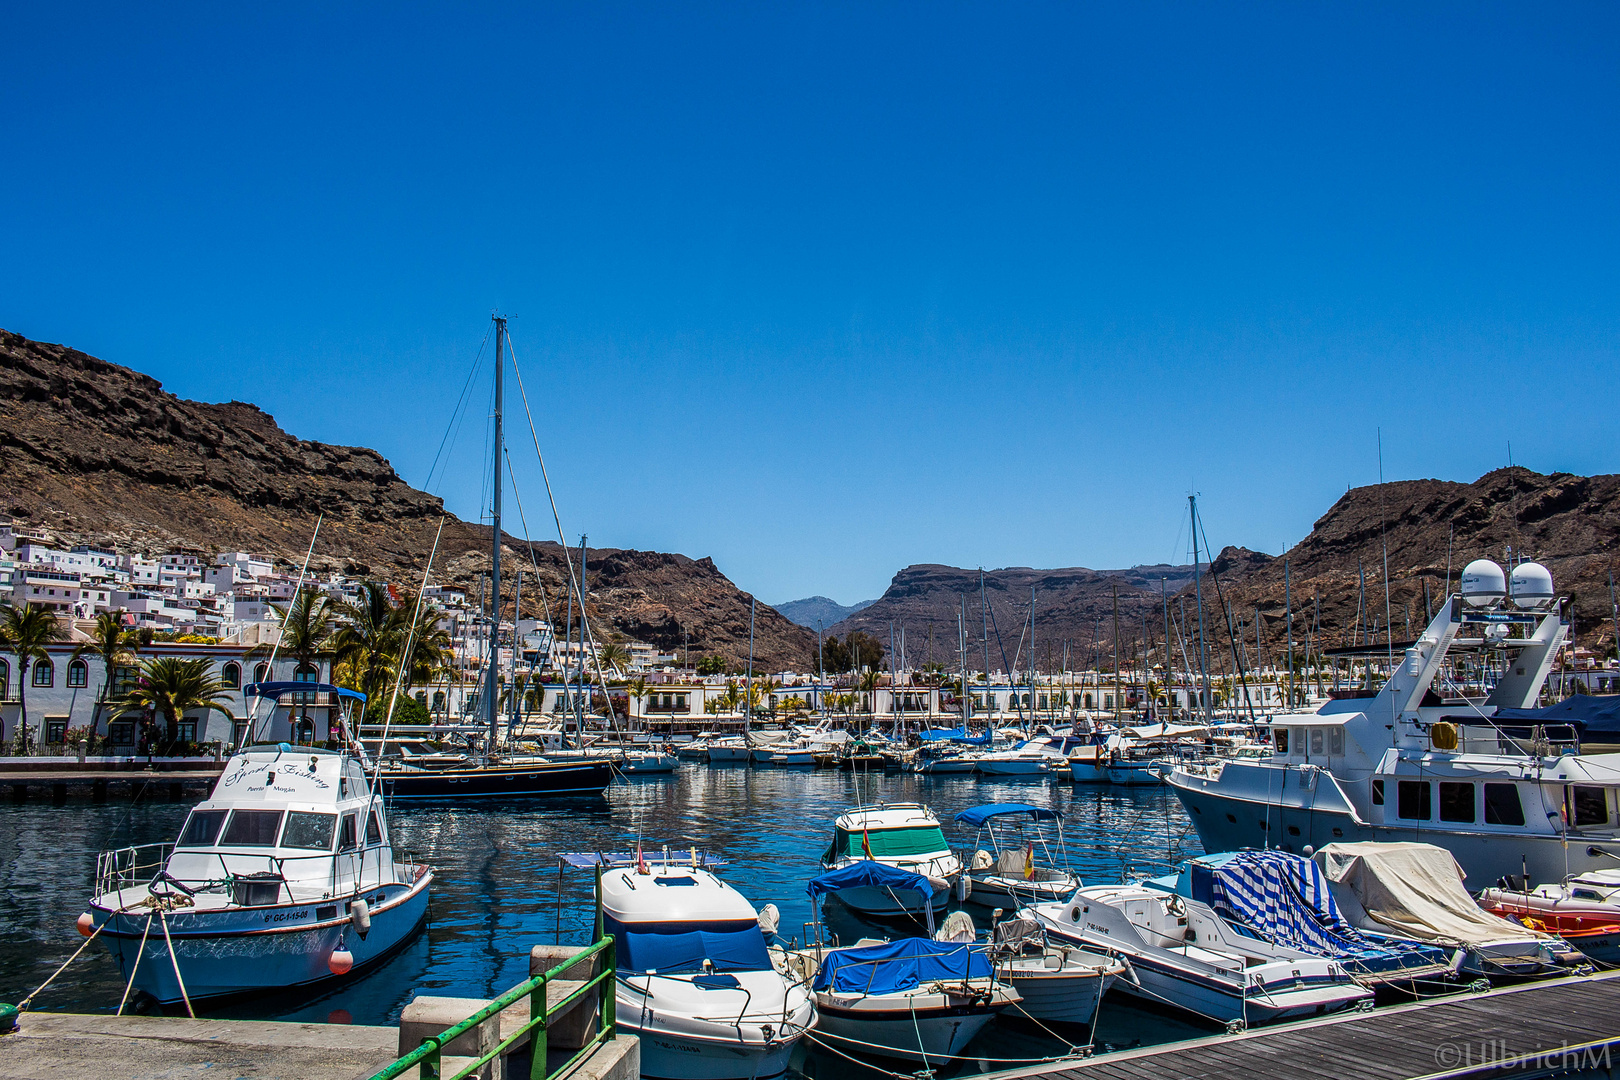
1585 713
276 689
868 873
958 734
900 965
978 815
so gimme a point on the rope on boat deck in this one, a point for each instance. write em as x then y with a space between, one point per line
817 1037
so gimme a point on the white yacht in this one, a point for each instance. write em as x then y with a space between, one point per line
284 876
1448 752
906 836
696 981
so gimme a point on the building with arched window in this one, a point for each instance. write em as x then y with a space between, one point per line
78 674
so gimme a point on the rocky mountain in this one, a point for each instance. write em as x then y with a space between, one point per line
93 452
815 611
1073 606
1432 529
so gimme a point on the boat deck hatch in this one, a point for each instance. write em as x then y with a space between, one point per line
675 881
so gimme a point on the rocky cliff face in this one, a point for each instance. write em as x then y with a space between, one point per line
94 452
1073 606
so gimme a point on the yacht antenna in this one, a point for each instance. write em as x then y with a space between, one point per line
270 669
492 673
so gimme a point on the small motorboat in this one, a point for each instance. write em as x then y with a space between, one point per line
1416 891
1059 983
1024 863
900 836
696 980
733 750
1015 761
284 876
1183 954
915 998
644 762
1286 900
1583 910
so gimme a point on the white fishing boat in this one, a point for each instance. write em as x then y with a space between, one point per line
649 761
696 981
284 876
1024 863
1182 954
904 836
1019 760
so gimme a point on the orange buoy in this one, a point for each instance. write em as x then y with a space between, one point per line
87 924
341 960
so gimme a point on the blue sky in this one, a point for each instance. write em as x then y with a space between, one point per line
825 290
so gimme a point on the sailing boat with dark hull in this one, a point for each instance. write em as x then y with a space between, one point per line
494 775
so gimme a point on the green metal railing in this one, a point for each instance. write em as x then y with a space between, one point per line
428 1055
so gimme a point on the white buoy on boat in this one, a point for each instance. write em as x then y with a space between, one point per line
360 918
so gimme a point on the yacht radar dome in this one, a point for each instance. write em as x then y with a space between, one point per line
1483 583
1531 585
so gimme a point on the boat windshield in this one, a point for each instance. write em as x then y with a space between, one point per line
252 828
202 828
676 948
308 830
888 843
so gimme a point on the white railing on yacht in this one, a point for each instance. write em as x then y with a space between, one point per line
144 864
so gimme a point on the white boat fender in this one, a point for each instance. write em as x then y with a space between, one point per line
1130 972
769 919
964 888
360 918
341 960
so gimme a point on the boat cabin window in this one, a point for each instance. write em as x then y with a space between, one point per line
348 837
202 828
1413 800
1378 792
919 840
1591 806
1336 741
1316 740
309 830
1502 806
1585 894
1456 802
252 828
373 829
1282 740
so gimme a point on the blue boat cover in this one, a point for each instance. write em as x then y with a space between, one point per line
941 734
900 965
868 873
1587 714
1287 901
276 689
673 948
978 815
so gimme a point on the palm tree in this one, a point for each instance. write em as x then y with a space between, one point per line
637 689
432 652
368 642
613 655
115 646
868 686
25 632
306 627
171 687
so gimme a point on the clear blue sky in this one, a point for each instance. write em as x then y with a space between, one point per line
825 290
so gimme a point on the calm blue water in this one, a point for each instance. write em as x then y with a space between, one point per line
497 888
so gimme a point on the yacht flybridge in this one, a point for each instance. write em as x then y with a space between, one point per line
1450 751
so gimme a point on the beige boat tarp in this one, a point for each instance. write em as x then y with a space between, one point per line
1413 891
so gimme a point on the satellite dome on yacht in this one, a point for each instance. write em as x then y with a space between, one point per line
1483 583
1531 586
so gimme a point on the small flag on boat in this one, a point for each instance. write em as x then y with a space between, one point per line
1029 862
641 860
866 839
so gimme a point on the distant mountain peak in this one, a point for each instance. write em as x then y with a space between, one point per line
818 610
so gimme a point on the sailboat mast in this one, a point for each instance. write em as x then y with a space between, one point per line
493 680
984 613
1198 590
1169 665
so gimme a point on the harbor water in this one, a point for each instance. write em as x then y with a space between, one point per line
498 889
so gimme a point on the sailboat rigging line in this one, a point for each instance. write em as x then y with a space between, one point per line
1389 632
405 658
457 415
270 670
1230 635
534 560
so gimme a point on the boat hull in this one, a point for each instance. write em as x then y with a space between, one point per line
728 755
1058 996
1012 768
589 776
238 950
889 1029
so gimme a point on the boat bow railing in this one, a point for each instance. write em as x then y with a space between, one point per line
428 1057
